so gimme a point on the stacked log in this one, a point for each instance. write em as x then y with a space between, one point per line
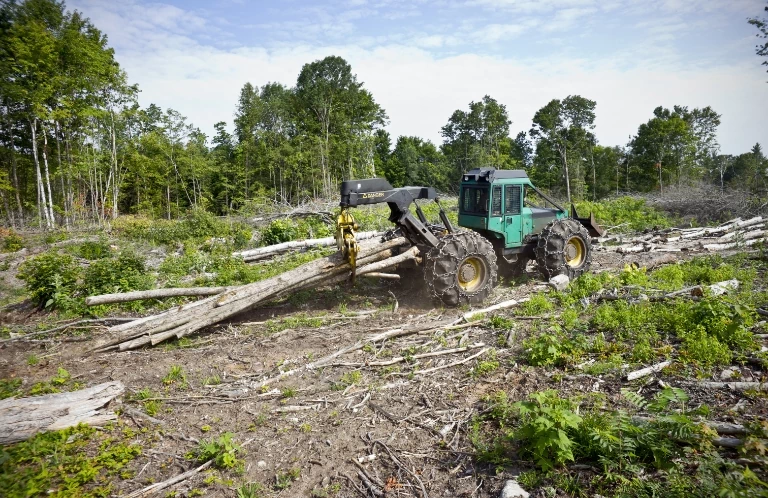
736 233
277 249
374 257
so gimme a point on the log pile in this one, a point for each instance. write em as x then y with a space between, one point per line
733 234
296 245
374 257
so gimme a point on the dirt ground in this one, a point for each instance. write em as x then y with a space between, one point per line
410 430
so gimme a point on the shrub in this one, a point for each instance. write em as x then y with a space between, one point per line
546 419
12 241
631 213
536 305
278 231
49 276
124 273
197 225
554 348
92 250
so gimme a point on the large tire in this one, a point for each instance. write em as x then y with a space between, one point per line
564 248
461 269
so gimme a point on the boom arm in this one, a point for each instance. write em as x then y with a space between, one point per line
378 190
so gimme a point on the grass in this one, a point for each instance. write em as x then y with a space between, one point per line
75 462
175 375
284 479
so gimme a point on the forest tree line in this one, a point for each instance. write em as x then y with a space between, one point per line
76 145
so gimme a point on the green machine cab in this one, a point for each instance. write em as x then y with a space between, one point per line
508 210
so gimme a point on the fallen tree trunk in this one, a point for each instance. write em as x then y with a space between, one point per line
269 251
22 418
153 294
374 257
637 374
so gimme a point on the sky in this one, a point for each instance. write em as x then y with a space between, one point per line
423 59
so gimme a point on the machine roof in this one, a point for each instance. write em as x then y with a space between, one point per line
490 174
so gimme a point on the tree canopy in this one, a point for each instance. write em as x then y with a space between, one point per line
76 146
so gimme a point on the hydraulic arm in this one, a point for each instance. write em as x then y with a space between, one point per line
377 191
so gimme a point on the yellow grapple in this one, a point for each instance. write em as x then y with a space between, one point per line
345 238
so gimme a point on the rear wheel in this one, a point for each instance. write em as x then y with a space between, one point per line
564 248
461 269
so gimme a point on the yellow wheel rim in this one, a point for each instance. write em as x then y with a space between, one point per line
471 273
575 251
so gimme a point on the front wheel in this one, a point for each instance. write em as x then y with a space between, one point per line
461 269
564 248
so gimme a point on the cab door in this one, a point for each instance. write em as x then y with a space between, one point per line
513 221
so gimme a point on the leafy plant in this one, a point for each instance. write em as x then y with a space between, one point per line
251 490
223 451
47 275
92 250
9 388
546 419
74 462
12 241
124 273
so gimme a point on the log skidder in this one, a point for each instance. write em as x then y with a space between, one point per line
460 267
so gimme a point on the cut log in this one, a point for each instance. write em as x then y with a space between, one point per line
502 305
153 294
386 276
637 374
22 418
268 251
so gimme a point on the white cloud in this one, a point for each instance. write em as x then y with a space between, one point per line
420 89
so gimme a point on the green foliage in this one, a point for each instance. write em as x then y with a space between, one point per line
666 453
286 230
92 250
283 480
223 451
9 388
633 214
486 366
175 374
151 406
501 323
555 348
347 379
278 231
75 462
12 241
546 419
251 490
538 304
48 277
124 273
198 226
